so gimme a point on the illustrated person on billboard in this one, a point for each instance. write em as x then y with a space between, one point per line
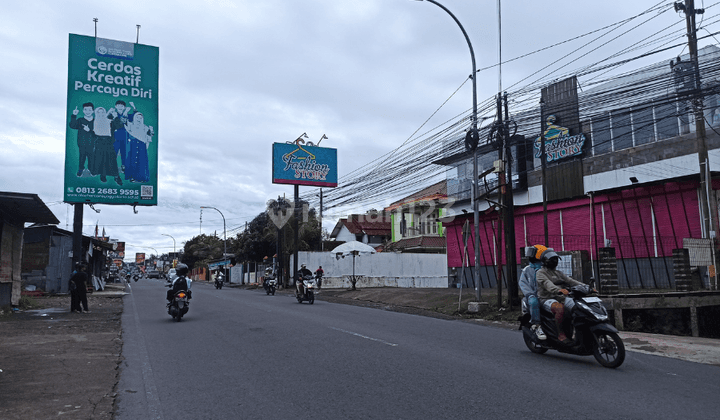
104 157
137 168
119 117
85 136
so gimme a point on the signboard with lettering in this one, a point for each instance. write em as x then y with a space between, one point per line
560 121
559 144
300 164
111 128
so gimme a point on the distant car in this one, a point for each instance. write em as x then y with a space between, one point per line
153 274
171 274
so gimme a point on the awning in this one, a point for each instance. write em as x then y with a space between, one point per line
25 208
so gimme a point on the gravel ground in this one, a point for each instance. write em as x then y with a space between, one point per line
57 364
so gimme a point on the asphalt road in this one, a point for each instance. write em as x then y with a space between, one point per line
242 354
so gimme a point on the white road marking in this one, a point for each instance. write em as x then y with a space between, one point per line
364 336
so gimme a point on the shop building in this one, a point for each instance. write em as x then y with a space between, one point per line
622 172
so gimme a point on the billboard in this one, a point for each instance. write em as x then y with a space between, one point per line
111 140
297 164
140 258
560 122
120 250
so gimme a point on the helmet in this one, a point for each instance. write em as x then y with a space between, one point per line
546 255
181 270
534 253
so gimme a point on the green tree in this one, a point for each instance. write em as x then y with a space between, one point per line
260 238
201 249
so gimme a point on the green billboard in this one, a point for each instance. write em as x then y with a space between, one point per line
111 141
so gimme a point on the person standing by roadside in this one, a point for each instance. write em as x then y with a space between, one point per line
78 289
319 275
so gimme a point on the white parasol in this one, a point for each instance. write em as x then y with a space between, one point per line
353 248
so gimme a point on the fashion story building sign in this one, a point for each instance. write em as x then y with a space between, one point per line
299 164
111 141
559 144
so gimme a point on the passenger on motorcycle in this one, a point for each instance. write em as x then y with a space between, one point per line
302 273
181 282
553 288
529 288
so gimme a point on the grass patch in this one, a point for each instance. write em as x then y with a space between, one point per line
28 302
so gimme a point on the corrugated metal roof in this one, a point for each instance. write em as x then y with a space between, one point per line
25 208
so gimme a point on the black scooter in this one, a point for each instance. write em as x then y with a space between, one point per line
219 280
179 305
593 335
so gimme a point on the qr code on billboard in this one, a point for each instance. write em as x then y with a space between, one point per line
146 192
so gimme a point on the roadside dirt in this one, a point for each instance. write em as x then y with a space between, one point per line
437 303
57 364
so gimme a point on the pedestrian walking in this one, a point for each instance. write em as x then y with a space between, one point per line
78 289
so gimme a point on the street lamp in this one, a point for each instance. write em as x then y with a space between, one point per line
224 235
165 234
471 143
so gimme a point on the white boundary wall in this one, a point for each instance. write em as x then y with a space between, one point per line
383 269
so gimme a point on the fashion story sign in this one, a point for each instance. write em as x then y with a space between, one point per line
559 144
300 164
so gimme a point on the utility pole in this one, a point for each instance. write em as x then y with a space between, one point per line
543 164
689 9
500 133
510 248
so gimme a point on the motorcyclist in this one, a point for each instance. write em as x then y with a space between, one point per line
553 290
301 274
268 276
528 286
181 282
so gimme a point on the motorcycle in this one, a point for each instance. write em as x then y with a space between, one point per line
309 288
593 335
219 280
269 285
179 305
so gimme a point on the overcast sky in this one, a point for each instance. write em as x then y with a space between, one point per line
238 75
